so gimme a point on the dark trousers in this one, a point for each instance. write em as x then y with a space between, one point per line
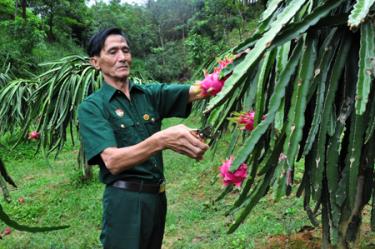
132 220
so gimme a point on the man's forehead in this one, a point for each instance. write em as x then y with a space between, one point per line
114 41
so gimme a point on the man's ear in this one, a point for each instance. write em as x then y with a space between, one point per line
94 61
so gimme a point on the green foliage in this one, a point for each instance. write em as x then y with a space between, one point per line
47 52
7 9
15 101
318 103
54 29
170 18
169 63
5 75
365 73
14 48
360 11
23 40
201 49
217 26
139 70
68 18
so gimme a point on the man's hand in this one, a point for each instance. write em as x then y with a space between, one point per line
195 93
178 138
182 140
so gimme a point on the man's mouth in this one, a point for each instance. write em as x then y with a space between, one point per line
123 67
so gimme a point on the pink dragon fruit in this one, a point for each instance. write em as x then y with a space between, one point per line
235 178
212 83
34 135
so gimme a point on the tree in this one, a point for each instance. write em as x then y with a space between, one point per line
134 20
310 71
23 8
18 38
61 17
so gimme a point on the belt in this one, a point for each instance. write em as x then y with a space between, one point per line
140 186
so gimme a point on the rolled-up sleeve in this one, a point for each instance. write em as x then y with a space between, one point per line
95 131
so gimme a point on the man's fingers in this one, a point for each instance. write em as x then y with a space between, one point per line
185 141
190 150
196 140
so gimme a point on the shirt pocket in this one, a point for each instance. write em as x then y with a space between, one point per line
152 122
124 130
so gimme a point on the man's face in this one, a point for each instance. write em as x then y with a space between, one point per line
115 59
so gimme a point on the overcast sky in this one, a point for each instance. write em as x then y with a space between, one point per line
91 2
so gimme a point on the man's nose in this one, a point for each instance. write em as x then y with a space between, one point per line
121 56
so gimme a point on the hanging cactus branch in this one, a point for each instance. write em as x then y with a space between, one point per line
317 97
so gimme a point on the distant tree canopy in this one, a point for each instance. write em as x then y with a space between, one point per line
169 38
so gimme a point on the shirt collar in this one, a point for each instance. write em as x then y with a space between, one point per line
109 91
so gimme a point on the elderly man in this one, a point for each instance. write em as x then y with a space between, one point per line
120 126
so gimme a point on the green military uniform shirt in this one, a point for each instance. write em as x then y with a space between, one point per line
107 118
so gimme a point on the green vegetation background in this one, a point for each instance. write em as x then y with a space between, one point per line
169 39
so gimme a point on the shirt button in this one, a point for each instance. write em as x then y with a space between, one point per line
122 126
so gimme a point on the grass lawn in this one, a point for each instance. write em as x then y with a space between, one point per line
54 195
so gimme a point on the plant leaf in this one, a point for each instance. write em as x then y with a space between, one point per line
359 12
366 66
273 107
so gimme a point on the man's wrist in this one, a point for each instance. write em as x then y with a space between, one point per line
157 141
